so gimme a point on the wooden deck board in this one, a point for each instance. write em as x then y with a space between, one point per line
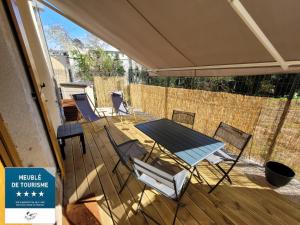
119 214
94 180
82 186
244 202
70 193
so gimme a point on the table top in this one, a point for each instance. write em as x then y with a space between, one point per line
187 144
69 130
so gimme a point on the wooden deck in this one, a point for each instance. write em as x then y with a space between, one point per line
244 202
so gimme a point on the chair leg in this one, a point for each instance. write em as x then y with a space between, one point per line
177 208
126 181
142 211
216 185
114 169
150 152
224 172
140 201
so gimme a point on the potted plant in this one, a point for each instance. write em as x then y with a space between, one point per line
278 174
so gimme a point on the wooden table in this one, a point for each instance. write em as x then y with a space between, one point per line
185 144
70 130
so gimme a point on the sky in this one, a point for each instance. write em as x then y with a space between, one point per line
50 18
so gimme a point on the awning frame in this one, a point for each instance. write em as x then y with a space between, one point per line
280 63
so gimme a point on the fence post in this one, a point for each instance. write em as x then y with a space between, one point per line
166 97
283 117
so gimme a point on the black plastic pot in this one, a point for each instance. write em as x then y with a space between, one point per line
278 174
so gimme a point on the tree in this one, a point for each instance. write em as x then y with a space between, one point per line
59 39
119 69
83 63
88 54
130 74
96 62
144 75
137 74
91 41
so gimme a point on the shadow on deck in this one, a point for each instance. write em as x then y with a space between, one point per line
244 202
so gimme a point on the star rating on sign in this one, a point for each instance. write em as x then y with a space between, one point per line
33 194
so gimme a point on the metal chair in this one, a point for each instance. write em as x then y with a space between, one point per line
160 176
126 151
186 118
235 138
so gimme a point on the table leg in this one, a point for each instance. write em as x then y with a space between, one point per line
82 143
198 176
202 178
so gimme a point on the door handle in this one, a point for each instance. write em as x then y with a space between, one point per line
33 95
43 85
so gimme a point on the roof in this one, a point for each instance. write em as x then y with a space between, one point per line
196 37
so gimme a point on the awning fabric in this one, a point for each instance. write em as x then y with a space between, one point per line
196 37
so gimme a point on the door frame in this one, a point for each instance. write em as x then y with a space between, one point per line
8 153
31 70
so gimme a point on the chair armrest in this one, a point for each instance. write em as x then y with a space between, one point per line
180 180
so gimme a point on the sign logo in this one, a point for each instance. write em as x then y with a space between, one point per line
30 216
29 195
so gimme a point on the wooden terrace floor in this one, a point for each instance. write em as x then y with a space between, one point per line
244 202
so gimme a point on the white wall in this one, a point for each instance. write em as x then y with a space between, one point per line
61 72
68 91
90 92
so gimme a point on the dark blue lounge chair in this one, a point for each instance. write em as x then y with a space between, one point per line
84 103
119 105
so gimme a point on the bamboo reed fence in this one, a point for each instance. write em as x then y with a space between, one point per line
258 116
104 86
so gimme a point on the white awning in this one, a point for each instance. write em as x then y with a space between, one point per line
196 37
